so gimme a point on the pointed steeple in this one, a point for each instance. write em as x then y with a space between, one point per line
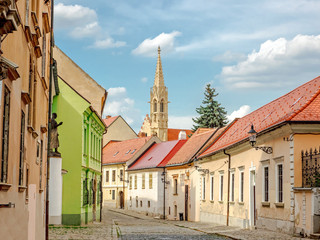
158 79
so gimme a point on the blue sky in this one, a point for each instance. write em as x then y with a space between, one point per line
250 51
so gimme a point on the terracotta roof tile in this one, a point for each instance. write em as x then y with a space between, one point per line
191 147
158 155
173 134
110 120
121 152
301 104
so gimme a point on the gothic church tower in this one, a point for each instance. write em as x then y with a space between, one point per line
159 104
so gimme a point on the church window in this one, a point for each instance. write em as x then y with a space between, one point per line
161 106
155 106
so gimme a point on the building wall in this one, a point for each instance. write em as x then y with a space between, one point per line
119 130
81 162
80 80
117 186
186 176
147 200
271 214
28 197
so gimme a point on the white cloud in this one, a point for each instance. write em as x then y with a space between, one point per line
88 30
229 57
242 111
166 41
118 103
180 122
67 16
144 79
108 43
276 64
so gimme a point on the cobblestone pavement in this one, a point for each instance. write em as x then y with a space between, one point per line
125 224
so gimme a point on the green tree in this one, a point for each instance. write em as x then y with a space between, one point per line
211 113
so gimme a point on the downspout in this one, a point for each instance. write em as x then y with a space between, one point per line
228 202
49 127
164 194
123 187
101 192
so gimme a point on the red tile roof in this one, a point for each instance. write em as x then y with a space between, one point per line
173 134
158 155
301 104
191 147
121 152
110 120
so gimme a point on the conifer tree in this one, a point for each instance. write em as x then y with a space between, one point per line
211 113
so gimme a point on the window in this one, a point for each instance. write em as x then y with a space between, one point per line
121 175
113 175
280 183
22 131
241 185
140 203
85 141
203 188
27 12
143 181
130 182
135 181
113 194
155 106
5 136
175 210
221 187
149 204
169 211
211 188
266 184
161 106
231 197
43 54
107 176
85 192
150 180
175 186
30 89
137 202
27 185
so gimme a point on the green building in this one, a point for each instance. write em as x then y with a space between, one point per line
80 139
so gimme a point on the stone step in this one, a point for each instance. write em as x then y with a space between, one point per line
315 236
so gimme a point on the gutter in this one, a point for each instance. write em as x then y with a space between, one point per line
49 127
228 193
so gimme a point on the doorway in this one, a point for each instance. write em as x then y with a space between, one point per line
94 199
252 197
121 198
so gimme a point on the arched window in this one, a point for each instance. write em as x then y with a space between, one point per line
161 106
155 106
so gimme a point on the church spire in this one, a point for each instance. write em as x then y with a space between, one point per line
158 79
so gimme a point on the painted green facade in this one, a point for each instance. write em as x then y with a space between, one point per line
80 138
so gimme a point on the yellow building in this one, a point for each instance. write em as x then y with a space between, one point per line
24 71
263 181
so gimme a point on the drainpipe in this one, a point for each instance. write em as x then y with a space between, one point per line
164 193
49 116
228 202
123 182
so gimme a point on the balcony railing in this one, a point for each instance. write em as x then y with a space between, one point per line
9 17
310 168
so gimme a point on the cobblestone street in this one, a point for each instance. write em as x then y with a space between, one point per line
124 224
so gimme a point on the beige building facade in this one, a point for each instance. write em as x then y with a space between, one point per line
24 85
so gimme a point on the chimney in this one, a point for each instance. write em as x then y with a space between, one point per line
182 135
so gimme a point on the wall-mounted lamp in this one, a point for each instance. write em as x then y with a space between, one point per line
163 177
7 205
199 169
253 140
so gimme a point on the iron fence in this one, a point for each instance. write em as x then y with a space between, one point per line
310 168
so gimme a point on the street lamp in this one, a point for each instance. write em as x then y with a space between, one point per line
253 140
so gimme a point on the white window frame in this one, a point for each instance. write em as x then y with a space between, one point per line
277 182
221 175
212 187
232 185
241 185
203 187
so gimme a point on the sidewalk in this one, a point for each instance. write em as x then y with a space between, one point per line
210 228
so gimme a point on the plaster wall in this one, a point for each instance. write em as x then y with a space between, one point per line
55 190
119 130
140 195
271 214
17 49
